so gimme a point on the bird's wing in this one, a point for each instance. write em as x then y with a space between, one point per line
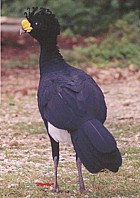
68 100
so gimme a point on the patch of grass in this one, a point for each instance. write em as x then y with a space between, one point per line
117 53
131 153
106 184
36 159
22 128
124 129
124 183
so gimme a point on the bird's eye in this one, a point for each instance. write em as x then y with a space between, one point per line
36 23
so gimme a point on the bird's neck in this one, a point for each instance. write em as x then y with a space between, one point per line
49 56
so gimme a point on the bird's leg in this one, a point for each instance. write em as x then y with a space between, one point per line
79 168
55 155
56 187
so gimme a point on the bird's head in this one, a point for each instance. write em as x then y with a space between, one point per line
41 24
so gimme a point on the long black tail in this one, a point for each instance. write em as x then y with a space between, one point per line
96 147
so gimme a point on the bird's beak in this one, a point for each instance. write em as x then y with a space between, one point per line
26 26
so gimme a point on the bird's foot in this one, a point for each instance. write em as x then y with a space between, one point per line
82 190
55 188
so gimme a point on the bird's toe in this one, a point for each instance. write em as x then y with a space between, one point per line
82 190
55 189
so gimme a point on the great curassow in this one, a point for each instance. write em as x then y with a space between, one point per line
71 104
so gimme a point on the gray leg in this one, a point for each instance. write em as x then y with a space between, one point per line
55 155
81 181
56 187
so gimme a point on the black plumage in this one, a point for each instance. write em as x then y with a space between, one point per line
71 100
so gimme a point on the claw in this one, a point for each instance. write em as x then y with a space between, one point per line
55 189
82 190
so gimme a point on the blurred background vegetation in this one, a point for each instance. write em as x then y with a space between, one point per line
112 26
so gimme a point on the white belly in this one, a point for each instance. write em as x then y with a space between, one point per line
59 135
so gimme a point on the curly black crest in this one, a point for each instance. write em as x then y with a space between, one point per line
42 11
46 16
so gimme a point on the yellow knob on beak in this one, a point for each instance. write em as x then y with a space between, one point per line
26 25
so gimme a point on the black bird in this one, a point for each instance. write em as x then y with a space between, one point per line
71 104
